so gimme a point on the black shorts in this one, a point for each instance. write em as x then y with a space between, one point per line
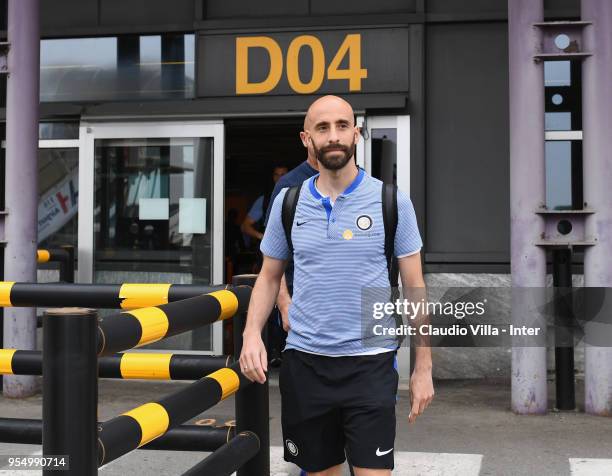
333 403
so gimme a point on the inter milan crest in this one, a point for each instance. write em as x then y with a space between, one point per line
292 447
364 222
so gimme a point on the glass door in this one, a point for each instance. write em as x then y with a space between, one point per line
151 210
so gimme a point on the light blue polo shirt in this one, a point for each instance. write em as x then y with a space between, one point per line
338 251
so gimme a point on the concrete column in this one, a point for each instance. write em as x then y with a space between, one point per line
21 177
527 193
597 160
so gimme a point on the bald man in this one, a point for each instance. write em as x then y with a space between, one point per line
338 386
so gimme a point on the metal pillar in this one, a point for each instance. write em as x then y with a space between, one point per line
21 177
252 403
70 389
597 160
527 193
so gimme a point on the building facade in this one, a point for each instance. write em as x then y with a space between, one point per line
158 118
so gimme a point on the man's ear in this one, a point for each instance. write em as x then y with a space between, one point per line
304 138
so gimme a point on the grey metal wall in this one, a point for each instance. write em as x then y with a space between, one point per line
216 9
467 143
467 207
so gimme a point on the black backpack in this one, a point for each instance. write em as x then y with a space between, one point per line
389 205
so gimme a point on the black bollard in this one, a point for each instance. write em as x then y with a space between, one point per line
70 392
564 339
252 402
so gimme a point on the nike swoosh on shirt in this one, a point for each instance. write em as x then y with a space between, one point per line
382 453
300 224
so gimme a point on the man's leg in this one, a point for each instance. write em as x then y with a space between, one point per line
371 472
333 471
369 415
312 428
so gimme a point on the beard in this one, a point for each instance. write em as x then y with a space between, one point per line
336 161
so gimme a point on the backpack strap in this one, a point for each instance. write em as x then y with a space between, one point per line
389 204
290 201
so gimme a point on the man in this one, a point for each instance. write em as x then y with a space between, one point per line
336 391
253 223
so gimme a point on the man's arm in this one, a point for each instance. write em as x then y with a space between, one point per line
421 383
248 228
284 298
283 301
253 358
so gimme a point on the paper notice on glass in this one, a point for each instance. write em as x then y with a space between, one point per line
153 208
192 215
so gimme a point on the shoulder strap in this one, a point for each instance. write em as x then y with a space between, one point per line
290 201
389 204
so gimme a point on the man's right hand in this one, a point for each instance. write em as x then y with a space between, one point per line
253 358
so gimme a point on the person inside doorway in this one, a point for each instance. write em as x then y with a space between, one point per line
253 224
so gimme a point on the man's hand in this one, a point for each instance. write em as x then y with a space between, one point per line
284 312
421 392
253 358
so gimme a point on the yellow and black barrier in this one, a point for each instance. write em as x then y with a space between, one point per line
119 332
230 457
182 438
97 296
64 256
147 422
152 366
45 256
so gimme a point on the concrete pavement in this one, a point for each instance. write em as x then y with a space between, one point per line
468 430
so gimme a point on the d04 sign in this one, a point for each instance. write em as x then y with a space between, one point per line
349 54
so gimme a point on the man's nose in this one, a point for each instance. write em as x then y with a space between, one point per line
333 134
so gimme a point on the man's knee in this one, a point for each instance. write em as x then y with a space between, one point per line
333 471
371 472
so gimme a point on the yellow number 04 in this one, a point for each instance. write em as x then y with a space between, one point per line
351 46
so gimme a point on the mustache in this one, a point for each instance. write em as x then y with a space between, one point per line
335 147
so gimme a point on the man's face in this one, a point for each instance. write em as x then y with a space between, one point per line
278 173
331 133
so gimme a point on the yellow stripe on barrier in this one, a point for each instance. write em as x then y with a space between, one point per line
154 323
228 302
5 293
146 366
6 360
43 256
143 295
229 381
153 420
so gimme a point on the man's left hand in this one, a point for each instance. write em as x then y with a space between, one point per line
421 392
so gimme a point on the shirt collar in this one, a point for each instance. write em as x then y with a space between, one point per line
315 193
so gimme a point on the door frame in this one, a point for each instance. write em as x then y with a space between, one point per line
402 125
89 131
